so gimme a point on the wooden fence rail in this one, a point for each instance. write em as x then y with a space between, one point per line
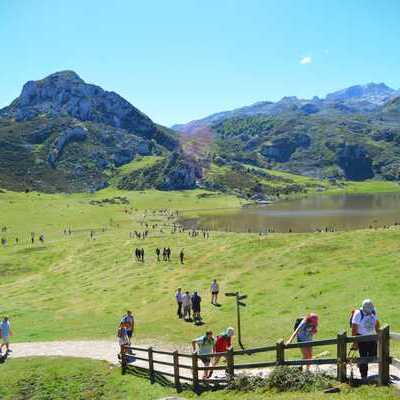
189 372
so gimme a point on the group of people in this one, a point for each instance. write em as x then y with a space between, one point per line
363 321
209 348
189 305
139 254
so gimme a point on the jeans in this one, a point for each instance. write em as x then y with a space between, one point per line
179 311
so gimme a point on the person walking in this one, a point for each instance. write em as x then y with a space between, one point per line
129 322
186 304
214 292
305 329
196 308
178 298
181 256
365 322
203 346
142 254
6 332
158 254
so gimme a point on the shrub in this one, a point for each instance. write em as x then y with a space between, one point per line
294 379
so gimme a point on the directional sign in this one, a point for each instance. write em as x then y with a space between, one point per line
241 304
230 294
242 297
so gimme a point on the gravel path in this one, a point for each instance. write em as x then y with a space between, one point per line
107 350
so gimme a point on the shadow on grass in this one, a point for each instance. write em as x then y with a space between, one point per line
29 250
159 378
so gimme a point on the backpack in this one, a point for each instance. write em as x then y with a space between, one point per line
297 323
361 313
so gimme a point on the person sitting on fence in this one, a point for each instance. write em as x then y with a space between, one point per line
223 343
123 339
205 345
187 306
365 322
304 330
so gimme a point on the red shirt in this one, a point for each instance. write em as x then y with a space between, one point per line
222 344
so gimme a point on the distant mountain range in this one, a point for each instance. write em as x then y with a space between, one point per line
63 134
358 99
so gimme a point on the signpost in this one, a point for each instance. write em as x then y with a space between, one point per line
239 304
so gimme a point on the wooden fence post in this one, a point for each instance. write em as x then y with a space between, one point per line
151 364
230 365
384 356
342 357
195 371
176 371
124 363
280 353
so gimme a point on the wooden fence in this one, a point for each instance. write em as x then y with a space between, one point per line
184 369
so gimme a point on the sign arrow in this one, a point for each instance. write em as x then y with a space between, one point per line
230 294
241 304
242 297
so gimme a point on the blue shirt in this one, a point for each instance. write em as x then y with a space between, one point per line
5 328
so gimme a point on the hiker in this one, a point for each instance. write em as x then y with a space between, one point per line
168 253
129 320
181 256
178 298
196 308
158 254
164 254
365 322
222 345
304 330
123 339
214 292
41 238
187 305
5 331
142 254
205 345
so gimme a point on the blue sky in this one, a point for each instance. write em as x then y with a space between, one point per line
181 60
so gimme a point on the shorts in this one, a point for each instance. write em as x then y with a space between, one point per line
214 293
5 339
196 309
205 360
129 334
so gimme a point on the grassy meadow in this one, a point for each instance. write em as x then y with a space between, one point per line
72 287
79 379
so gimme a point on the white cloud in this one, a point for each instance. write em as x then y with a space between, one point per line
306 60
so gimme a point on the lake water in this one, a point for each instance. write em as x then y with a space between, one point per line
342 212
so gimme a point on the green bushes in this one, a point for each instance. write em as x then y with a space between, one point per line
283 379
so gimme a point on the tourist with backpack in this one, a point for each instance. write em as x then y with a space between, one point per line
304 330
364 321
223 343
204 346
129 322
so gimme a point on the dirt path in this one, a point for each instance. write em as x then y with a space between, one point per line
107 350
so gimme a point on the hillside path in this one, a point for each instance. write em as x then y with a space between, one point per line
107 350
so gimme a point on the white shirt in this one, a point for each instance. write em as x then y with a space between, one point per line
178 296
366 324
186 300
